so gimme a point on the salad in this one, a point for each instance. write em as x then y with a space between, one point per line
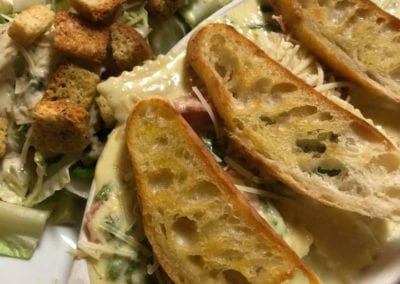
38 188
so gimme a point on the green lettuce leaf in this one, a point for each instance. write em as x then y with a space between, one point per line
21 228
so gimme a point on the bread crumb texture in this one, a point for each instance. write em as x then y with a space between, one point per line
74 84
128 47
96 10
30 24
79 39
199 230
292 131
59 127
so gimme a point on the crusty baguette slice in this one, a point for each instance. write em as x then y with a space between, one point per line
354 37
293 132
201 228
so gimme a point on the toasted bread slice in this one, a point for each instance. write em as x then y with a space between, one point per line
354 37
201 228
293 132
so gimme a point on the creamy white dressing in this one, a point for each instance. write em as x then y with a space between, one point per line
8 53
163 77
307 238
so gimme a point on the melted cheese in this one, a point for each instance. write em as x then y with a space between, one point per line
165 77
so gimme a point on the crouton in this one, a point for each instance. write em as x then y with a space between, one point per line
31 23
96 10
128 47
3 136
59 127
106 112
163 8
74 84
79 39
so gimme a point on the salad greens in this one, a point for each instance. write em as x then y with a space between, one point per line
21 228
35 189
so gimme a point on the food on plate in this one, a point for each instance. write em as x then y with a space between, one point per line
324 237
51 131
201 228
80 39
354 37
59 127
3 136
128 47
96 11
30 24
164 7
293 132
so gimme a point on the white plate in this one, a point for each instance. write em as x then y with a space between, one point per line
50 264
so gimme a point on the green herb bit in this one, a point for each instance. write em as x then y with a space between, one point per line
115 268
328 172
104 193
209 144
268 26
83 171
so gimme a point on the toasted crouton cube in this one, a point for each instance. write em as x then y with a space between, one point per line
3 136
59 127
128 47
31 23
96 10
106 112
74 84
163 7
79 39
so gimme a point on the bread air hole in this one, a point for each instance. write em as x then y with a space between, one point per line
161 141
393 192
282 88
324 116
311 145
329 167
185 231
389 161
266 120
196 260
160 180
232 276
296 112
203 191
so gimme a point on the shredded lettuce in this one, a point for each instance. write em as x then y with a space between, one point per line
197 10
14 179
21 228
166 34
50 177
135 15
6 6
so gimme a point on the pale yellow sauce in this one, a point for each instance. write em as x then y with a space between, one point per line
323 250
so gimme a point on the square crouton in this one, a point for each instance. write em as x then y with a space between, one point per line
79 39
31 23
128 47
3 136
59 127
96 10
74 84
